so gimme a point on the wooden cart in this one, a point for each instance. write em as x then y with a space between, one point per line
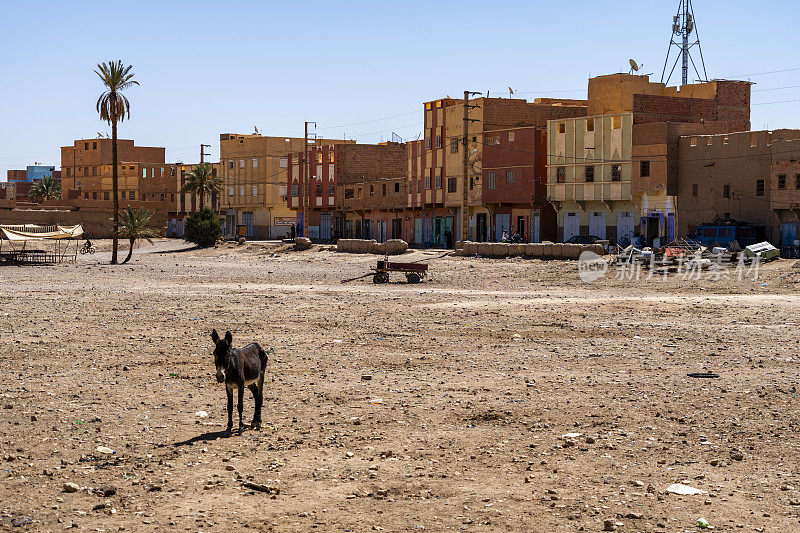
414 271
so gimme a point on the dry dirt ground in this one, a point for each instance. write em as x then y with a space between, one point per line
477 374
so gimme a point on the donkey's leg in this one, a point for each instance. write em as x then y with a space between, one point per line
239 405
230 408
254 389
260 402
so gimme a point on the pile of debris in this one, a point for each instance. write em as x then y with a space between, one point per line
688 254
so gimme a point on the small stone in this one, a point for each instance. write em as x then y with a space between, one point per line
787 487
47 472
638 483
635 516
230 468
590 440
714 462
366 377
125 368
609 524
155 488
34 418
71 487
201 414
350 455
794 502
737 456
107 491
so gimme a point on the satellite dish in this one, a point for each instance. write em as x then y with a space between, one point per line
634 65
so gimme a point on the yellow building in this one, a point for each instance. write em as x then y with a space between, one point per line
253 169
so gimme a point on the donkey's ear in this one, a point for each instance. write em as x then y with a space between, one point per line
228 337
215 336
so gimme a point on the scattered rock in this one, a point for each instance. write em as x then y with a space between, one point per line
71 487
230 468
609 524
684 490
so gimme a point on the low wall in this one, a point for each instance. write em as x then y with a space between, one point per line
363 246
544 250
96 224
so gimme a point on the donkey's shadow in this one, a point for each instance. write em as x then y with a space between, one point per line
205 437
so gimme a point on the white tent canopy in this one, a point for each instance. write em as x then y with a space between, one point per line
31 232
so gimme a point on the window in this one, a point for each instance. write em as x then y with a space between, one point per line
494 139
172 171
372 190
284 162
438 141
172 196
85 171
68 169
694 190
797 181
106 195
427 182
709 141
693 141
331 189
132 195
94 146
588 172
759 187
94 171
589 124
616 122
427 143
319 188
241 190
360 193
438 182
616 173
397 187
348 194
254 189
419 186
230 165
562 127
295 190
86 196
561 174
241 163
383 189
230 193
781 181
85 146
510 176
753 139
726 190
162 197
454 147
491 180
644 169
255 163
94 196
511 136
144 172
725 140
162 172
452 184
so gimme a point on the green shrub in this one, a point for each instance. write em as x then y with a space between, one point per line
202 228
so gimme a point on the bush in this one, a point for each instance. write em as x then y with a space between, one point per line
202 228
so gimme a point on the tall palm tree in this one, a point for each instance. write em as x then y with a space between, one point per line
48 188
133 226
114 107
201 181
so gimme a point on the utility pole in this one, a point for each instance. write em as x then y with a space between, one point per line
304 177
465 177
202 152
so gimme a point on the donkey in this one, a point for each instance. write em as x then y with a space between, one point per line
240 368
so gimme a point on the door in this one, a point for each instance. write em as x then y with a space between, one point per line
671 226
438 231
502 223
597 224
521 227
449 238
427 231
247 221
536 229
625 228
572 225
480 227
788 235
418 231
325 226
230 225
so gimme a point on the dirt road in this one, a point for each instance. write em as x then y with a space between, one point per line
496 395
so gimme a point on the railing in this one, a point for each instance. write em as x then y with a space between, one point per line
29 228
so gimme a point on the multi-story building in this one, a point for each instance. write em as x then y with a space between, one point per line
353 190
254 172
86 168
750 177
614 173
20 181
435 171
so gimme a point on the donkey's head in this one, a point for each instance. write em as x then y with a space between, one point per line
221 350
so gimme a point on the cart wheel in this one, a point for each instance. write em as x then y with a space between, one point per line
380 277
413 277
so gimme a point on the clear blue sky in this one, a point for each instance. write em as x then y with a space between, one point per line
212 67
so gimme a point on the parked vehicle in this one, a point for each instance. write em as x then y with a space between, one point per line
583 239
724 234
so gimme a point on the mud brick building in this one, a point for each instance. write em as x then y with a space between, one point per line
614 173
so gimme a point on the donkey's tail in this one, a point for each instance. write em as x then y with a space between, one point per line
262 355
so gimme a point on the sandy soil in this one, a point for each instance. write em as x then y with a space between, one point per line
476 376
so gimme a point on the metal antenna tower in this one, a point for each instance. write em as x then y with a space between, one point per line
683 24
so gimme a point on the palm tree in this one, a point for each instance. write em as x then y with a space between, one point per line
201 181
133 226
114 107
48 188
